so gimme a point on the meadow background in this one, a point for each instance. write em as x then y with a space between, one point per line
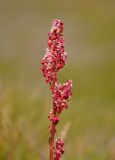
25 100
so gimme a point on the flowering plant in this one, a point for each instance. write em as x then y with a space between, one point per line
52 62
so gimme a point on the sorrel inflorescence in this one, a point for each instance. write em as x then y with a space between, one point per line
52 62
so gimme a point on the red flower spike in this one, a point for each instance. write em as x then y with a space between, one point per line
55 56
55 59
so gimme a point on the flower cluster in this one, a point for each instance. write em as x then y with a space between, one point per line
53 119
59 150
61 94
55 56
52 62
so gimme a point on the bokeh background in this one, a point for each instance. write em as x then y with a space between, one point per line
88 126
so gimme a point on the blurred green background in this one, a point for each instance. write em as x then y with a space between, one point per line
88 126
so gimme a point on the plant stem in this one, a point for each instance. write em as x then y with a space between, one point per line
51 142
51 139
